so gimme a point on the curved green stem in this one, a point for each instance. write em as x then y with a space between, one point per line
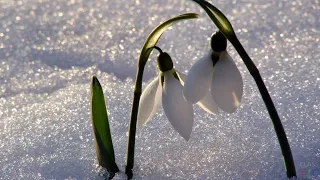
281 134
133 121
226 28
151 41
159 49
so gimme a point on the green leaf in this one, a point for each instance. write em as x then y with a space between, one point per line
155 35
219 19
101 129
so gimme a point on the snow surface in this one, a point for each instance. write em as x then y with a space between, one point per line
49 49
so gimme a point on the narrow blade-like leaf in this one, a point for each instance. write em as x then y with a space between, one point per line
155 35
101 129
219 19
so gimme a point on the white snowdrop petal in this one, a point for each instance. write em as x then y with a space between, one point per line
157 101
198 78
178 111
149 102
227 85
206 103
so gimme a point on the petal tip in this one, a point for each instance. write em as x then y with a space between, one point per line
139 125
186 138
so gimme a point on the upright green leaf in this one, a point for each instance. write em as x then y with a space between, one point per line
101 129
219 19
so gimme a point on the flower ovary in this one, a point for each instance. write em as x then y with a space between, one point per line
164 62
218 42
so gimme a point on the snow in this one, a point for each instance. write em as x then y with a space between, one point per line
50 49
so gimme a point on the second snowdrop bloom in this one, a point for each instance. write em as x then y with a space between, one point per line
217 74
167 88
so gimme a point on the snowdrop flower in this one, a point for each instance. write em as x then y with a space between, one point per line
167 88
206 103
217 74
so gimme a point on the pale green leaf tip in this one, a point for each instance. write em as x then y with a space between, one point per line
192 15
218 18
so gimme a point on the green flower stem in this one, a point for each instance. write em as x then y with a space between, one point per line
221 21
133 121
282 138
151 41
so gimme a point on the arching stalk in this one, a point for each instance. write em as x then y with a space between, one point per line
220 20
151 41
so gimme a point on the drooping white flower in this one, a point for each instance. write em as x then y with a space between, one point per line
222 79
206 102
167 88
